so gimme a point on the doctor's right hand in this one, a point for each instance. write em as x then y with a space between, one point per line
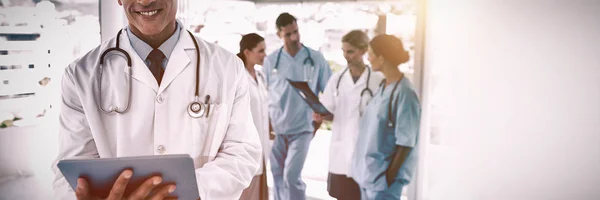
320 118
147 190
317 118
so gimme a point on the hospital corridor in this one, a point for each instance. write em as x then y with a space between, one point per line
300 99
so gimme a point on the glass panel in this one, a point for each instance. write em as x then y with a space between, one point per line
322 26
35 35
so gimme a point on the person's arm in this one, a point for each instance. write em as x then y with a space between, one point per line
399 158
324 75
408 117
266 70
323 78
328 98
237 159
75 137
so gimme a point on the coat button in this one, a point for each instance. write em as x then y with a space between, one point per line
161 149
159 99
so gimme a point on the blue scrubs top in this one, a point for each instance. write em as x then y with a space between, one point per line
376 143
288 112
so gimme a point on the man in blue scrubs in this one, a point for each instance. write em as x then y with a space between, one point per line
291 118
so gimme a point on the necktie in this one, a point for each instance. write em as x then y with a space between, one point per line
156 58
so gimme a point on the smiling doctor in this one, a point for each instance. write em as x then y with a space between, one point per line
156 89
346 95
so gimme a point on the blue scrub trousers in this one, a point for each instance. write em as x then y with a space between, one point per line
394 192
287 160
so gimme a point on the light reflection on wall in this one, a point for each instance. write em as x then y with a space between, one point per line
321 25
37 42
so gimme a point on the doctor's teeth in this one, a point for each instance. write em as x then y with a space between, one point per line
149 13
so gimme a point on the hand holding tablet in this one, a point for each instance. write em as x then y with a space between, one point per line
144 177
149 189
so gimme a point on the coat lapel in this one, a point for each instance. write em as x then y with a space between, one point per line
183 53
139 69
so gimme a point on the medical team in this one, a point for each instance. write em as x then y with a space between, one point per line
163 90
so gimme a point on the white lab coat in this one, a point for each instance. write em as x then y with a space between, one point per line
225 147
260 113
345 108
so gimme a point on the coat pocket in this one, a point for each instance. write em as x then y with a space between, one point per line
209 132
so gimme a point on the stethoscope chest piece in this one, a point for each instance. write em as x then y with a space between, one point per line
196 109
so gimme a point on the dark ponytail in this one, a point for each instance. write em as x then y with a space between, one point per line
249 41
242 56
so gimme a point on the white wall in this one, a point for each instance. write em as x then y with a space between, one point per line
513 89
112 19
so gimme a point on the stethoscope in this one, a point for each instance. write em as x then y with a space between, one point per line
366 90
391 120
308 59
195 108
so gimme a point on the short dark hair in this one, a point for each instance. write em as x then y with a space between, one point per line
284 19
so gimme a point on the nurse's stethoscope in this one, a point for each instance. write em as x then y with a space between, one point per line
308 59
391 120
195 108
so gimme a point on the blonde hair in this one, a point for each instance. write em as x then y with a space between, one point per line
357 39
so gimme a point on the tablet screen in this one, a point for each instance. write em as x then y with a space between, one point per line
101 173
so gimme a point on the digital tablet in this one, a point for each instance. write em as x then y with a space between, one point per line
309 97
101 173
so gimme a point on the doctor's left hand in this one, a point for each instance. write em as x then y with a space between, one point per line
117 191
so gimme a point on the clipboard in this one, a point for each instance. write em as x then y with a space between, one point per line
309 97
101 173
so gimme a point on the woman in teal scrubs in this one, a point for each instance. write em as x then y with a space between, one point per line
386 150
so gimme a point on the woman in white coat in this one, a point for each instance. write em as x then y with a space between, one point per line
346 96
149 103
252 53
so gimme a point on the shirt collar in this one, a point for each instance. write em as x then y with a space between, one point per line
143 49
